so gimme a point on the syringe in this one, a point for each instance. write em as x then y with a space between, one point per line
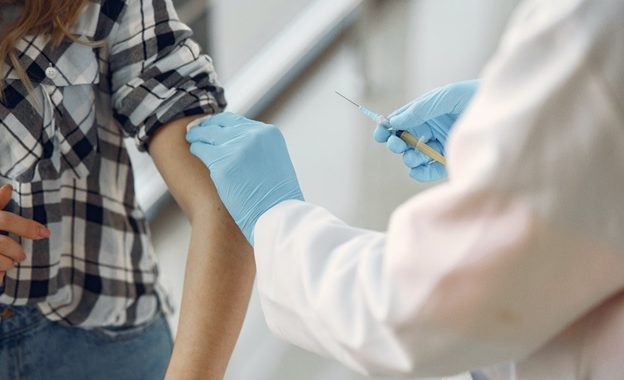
404 135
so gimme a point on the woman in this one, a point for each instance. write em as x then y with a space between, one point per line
79 76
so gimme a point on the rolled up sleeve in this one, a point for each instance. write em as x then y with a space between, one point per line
157 73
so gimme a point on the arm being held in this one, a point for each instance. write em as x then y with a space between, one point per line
158 79
251 175
220 266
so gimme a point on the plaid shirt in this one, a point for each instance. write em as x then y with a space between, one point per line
62 149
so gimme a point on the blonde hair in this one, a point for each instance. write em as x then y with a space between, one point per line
51 17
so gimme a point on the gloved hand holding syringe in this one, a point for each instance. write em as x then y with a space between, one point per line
404 135
418 130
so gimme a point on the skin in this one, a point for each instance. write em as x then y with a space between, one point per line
220 268
11 251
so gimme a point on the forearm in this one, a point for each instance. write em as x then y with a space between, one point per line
217 286
220 265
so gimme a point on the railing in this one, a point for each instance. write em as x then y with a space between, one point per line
262 78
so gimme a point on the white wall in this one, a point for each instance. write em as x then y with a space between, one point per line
451 40
242 27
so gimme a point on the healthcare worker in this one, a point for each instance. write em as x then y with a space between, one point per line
514 265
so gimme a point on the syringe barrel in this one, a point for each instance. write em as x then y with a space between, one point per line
419 145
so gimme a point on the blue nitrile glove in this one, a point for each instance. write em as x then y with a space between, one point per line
249 164
431 117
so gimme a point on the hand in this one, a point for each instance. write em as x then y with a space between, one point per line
10 251
430 117
249 164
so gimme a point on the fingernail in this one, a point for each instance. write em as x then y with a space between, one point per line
44 232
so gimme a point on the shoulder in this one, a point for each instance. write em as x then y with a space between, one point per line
132 14
99 18
108 14
112 9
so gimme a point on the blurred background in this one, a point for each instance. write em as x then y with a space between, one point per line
280 62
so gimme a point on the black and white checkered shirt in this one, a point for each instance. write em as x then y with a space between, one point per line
62 150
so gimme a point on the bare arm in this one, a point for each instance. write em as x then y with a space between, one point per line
220 267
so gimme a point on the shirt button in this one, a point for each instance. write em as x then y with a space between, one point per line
51 72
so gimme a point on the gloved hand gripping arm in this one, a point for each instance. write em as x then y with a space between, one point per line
249 164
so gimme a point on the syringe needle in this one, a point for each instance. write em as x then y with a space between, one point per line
348 100
379 119
404 135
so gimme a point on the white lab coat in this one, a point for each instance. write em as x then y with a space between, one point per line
518 259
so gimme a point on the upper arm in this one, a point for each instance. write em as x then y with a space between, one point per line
159 82
157 73
186 176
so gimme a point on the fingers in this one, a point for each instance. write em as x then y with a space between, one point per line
381 134
206 134
413 158
219 134
450 99
400 110
23 227
396 145
5 195
209 154
208 143
437 146
416 114
416 125
16 224
432 171
203 129
422 167
213 134
11 249
6 263
224 119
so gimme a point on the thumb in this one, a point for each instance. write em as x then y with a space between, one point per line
5 195
381 134
208 154
427 107
450 99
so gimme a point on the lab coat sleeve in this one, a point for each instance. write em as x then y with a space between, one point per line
524 238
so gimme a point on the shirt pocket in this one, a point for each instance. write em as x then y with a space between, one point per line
52 130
